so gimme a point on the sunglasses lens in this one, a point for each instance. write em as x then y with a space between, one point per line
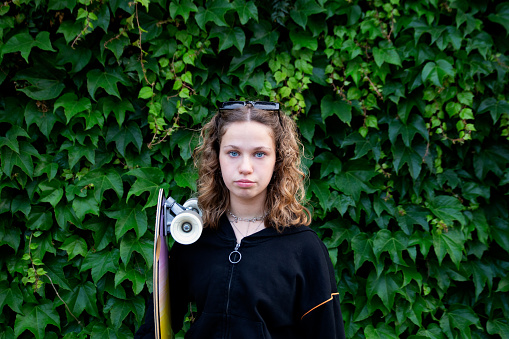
266 105
232 104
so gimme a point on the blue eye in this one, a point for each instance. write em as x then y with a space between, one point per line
233 153
259 154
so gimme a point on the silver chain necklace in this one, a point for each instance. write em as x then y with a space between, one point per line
253 219
247 231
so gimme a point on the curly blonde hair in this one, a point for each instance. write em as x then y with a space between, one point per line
285 193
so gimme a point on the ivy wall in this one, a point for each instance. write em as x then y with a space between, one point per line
403 109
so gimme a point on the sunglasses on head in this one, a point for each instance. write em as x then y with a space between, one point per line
266 105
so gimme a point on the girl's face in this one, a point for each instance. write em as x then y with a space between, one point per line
247 155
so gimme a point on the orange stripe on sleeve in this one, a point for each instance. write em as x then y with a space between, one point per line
323 303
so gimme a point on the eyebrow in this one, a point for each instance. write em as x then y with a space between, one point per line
258 148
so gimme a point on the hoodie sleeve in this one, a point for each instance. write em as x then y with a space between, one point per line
320 312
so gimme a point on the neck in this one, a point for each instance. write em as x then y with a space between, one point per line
248 209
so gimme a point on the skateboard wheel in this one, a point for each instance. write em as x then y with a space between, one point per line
186 227
193 205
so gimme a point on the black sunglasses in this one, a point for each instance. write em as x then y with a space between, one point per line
265 105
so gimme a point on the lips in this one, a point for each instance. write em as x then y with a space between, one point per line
244 183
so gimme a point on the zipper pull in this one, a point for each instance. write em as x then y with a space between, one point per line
235 256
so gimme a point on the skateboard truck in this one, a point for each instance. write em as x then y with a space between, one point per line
183 222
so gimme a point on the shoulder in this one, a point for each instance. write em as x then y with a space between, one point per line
305 238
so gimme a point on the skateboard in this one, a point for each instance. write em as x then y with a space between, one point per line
184 224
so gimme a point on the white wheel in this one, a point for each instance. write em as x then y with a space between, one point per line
186 227
193 205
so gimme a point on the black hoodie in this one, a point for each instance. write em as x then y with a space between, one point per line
276 286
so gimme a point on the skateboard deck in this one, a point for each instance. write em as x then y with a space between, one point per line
161 287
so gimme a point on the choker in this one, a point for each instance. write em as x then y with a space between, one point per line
253 219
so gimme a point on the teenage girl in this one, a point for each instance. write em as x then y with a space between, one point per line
257 270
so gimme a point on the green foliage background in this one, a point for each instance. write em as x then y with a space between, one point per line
403 110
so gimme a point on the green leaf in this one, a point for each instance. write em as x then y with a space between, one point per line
245 10
41 86
103 234
119 309
108 80
134 275
23 43
45 120
187 179
145 93
304 9
437 71
124 135
74 246
303 40
329 164
406 155
10 236
395 244
23 159
70 29
340 108
10 140
184 8
251 60
229 37
447 208
415 125
10 296
149 179
101 180
496 108
382 331
39 219
362 247
492 158
459 317
129 218
321 189
339 233
72 105
501 16
54 267
51 191
84 206
186 142
386 54
452 242
116 44
265 36
384 286
118 108
61 4
143 246
82 297
432 332
21 203
482 274
354 179
500 232
35 318
101 262
214 12
498 326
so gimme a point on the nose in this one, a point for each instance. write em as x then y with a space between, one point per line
245 166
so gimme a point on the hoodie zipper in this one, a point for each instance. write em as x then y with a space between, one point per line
234 259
